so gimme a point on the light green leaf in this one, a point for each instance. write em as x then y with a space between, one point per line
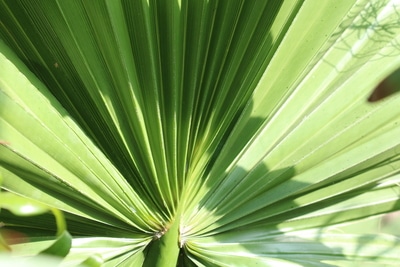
66 165
21 206
223 133
319 248
98 250
40 261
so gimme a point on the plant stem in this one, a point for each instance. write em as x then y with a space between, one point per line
164 252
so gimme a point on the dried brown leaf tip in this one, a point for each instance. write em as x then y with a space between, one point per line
383 90
387 87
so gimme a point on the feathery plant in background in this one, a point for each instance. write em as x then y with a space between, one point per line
198 133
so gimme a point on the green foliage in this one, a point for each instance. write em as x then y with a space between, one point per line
201 133
20 206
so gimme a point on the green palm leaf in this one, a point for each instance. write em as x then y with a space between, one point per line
222 133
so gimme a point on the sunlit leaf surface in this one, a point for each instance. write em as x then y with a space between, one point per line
208 133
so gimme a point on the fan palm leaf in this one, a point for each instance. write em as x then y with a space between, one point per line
202 133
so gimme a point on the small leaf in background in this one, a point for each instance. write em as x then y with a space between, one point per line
21 206
60 247
387 87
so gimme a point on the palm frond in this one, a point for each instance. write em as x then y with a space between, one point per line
229 132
